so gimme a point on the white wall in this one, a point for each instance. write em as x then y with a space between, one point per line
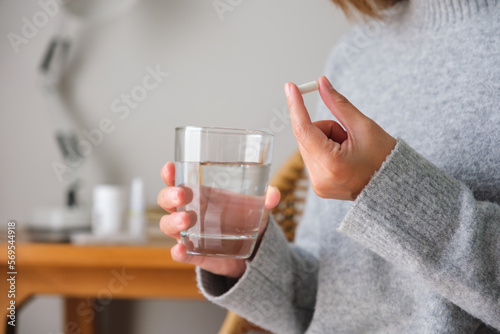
226 73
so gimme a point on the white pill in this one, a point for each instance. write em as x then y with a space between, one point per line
308 87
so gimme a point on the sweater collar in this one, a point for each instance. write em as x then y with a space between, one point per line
436 13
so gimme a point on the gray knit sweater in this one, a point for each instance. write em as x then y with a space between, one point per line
419 250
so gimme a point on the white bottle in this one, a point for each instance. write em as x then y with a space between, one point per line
137 219
108 210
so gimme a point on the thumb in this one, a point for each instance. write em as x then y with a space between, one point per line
340 107
272 197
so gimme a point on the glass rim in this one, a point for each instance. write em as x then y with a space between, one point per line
222 130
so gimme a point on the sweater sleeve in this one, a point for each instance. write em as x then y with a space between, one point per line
418 217
277 290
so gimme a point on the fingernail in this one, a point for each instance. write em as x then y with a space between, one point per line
328 84
287 88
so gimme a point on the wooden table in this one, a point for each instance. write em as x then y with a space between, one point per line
89 276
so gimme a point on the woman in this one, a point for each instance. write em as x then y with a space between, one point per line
401 233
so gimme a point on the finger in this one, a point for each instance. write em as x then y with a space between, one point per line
188 194
168 174
340 107
272 197
308 135
309 160
171 197
332 130
179 254
296 104
174 223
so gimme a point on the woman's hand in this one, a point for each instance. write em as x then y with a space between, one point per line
340 161
171 197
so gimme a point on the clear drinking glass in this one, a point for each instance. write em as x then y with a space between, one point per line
225 173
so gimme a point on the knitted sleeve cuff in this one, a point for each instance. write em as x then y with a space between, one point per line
403 214
263 290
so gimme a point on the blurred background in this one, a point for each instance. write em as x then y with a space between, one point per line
135 70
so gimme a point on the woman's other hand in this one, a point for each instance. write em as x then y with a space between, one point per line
340 158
